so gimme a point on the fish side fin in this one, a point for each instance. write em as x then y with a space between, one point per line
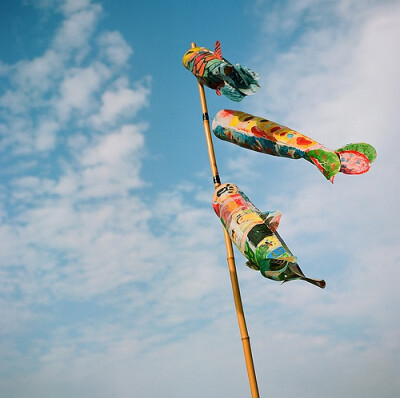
272 219
356 158
218 51
252 265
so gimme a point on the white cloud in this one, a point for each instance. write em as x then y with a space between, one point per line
36 76
72 6
115 47
16 135
111 164
56 216
122 101
285 18
78 88
77 29
64 88
46 135
115 147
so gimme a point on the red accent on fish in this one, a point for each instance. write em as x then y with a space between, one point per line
320 168
218 52
202 68
226 112
257 132
353 162
216 208
262 134
303 141
275 129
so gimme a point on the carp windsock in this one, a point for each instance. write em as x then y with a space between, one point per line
255 235
265 136
215 72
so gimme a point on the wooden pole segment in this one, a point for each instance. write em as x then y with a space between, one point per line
229 252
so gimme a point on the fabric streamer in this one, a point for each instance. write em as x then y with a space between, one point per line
211 69
255 235
265 136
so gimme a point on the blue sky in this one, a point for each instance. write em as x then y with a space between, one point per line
113 279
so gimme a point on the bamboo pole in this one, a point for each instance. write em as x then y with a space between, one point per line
229 252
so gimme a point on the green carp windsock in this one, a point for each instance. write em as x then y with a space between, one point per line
215 72
255 235
265 136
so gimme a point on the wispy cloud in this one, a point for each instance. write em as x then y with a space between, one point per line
120 101
76 229
115 48
55 217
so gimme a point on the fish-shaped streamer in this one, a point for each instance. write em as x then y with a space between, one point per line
265 136
255 235
215 72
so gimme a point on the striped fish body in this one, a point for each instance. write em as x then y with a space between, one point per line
254 233
215 72
206 66
265 136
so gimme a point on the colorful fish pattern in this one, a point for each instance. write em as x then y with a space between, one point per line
211 69
265 136
254 233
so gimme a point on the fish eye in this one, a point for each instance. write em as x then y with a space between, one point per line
222 191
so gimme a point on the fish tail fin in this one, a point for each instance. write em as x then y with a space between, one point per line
327 162
356 158
231 93
286 269
239 82
246 80
296 273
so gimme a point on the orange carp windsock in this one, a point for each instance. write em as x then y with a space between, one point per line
254 233
215 72
265 136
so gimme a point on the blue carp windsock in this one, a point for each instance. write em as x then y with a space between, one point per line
255 235
265 136
215 72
